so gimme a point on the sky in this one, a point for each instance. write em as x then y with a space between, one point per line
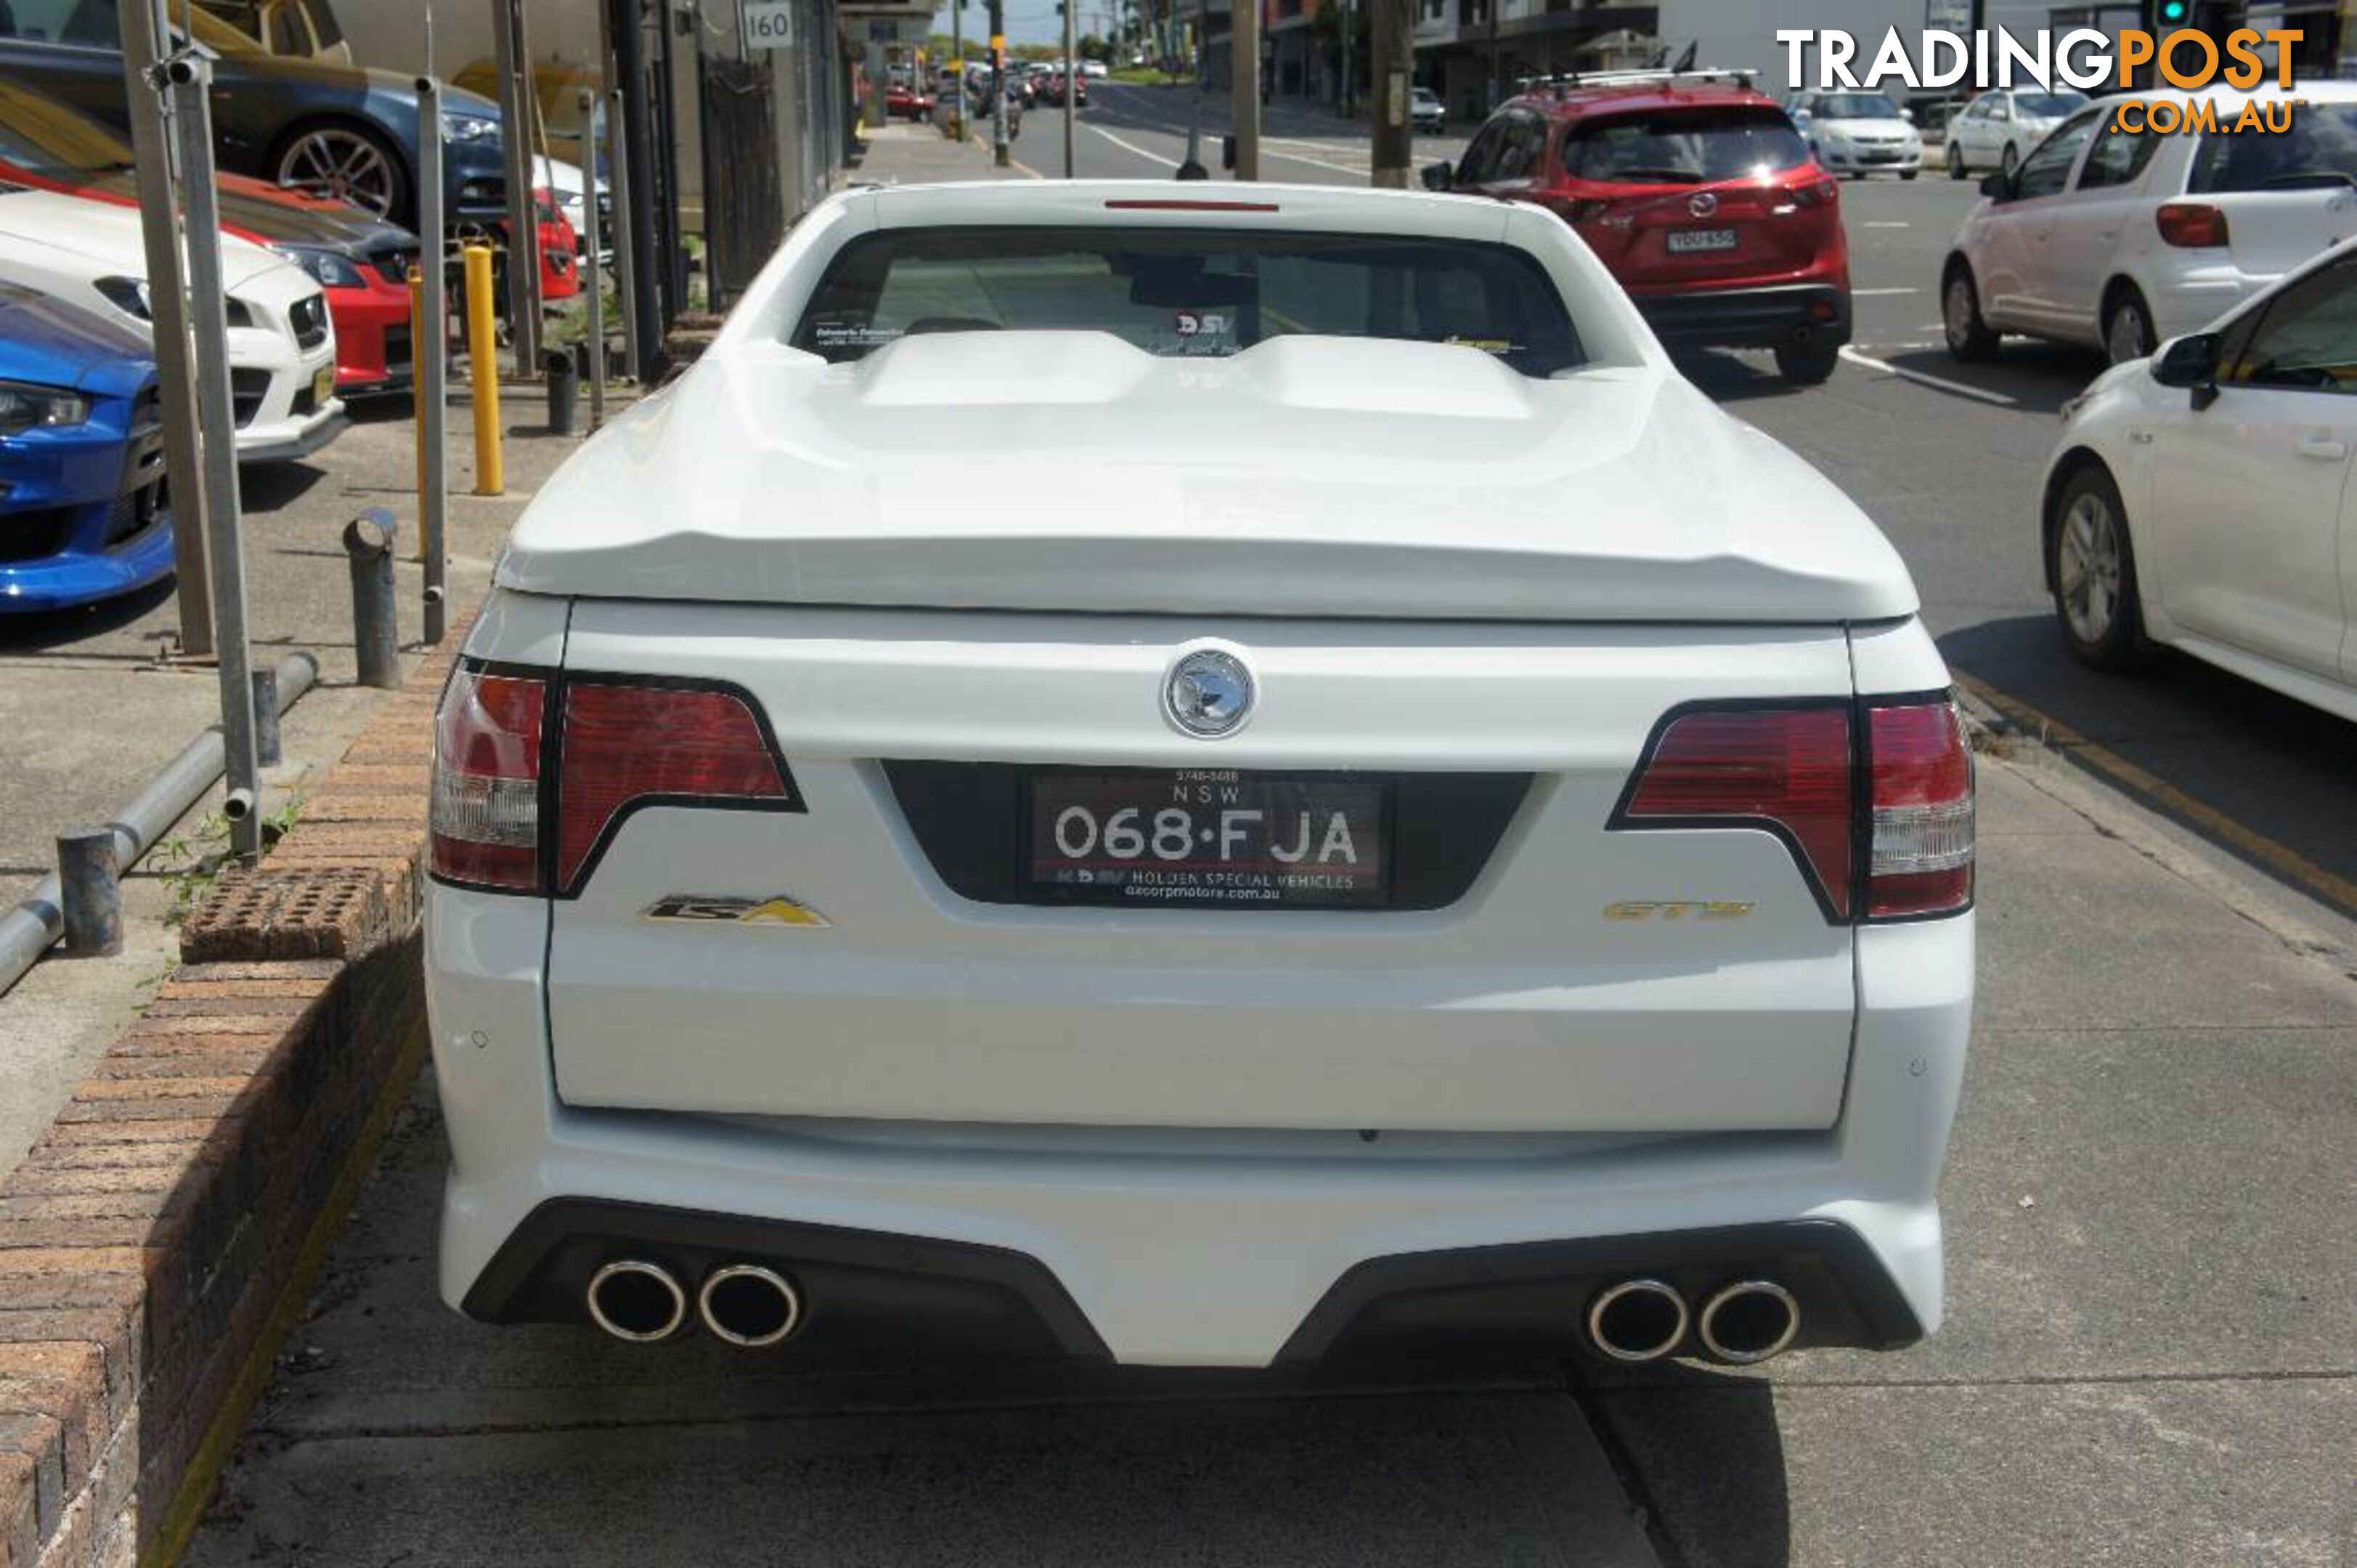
1031 21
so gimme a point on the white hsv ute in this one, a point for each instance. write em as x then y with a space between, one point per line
1441 835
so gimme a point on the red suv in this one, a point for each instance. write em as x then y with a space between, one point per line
1700 196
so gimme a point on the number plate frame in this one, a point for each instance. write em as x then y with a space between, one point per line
1367 801
1703 241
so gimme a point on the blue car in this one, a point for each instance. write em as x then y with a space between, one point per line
82 510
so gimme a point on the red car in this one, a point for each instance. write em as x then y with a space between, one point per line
906 102
1699 195
1051 89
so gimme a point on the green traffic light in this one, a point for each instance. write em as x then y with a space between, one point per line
2172 10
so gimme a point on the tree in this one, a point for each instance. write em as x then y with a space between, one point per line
1094 48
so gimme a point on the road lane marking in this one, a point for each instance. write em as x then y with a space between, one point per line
1888 223
2276 857
1861 292
1131 146
1939 384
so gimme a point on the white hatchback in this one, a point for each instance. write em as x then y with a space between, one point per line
2119 237
1466 840
2202 498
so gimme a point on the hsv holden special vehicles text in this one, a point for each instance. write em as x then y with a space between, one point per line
1468 840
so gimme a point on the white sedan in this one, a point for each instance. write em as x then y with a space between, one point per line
1859 134
1997 129
2200 498
282 345
2119 236
1477 844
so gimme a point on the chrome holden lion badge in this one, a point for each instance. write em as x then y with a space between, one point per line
1702 203
1208 693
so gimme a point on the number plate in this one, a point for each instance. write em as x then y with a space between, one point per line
1194 836
1684 242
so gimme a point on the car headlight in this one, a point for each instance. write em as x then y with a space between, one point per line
27 407
328 269
462 127
127 295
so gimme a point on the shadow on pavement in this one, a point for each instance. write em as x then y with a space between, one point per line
266 487
1725 379
2281 769
1702 1453
2038 377
59 630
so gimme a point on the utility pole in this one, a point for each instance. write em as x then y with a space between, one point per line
1244 84
957 53
143 32
1071 81
1394 148
1350 77
1000 152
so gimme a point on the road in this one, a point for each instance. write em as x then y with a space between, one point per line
2146 1361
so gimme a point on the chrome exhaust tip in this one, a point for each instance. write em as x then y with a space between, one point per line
1636 1320
633 1299
748 1304
1750 1321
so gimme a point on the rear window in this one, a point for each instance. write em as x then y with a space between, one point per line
2320 150
1685 147
1189 292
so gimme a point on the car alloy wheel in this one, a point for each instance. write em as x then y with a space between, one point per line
340 164
1969 336
2087 569
2012 160
2128 334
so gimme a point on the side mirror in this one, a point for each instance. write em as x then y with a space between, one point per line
1802 116
2191 362
1440 175
1997 186
1908 115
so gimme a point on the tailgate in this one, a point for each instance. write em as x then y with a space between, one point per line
1492 977
1713 234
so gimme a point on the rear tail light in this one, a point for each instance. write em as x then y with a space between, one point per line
1586 209
483 825
2191 224
1784 769
533 773
1921 861
627 745
1881 830
1817 193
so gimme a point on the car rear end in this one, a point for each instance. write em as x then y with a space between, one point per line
1707 208
1249 941
2244 207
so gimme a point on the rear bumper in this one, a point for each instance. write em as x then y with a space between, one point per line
1179 1251
1748 317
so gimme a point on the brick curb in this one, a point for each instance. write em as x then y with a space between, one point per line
150 1233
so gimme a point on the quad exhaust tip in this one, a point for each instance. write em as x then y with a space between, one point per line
748 1304
1750 1321
1636 1320
633 1299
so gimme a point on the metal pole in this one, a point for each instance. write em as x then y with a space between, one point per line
368 551
27 930
1350 77
1394 143
671 210
90 891
483 369
957 50
208 309
430 354
168 303
592 270
1071 81
268 750
1244 84
646 303
523 211
626 251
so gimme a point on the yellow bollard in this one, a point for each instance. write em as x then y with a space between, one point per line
417 391
483 359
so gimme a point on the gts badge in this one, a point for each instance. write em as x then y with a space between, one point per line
1675 909
705 907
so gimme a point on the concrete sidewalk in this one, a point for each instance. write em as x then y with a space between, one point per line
906 153
2147 1361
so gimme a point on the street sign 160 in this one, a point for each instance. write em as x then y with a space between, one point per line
769 25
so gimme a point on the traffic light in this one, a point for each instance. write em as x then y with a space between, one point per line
2171 14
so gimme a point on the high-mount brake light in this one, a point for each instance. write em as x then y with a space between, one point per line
626 745
1784 769
1172 204
1921 861
483 823
1889 812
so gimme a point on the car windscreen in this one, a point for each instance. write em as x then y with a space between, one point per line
2048 105
44 136
1188 291
1856 106
2321 149
1686 146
